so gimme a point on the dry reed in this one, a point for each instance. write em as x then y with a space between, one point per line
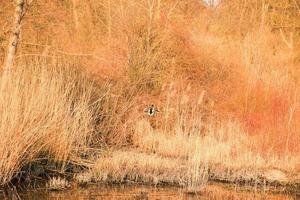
45 113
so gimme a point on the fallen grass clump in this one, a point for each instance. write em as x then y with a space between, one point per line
138 167
57 183
46 113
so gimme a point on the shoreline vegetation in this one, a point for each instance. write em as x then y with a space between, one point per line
224 78
184 157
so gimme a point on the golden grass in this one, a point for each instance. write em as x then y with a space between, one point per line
180 146
192 160
45 113
139 167
135 167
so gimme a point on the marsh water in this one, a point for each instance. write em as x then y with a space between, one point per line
213 192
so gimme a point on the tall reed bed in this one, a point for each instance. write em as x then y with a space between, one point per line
46 112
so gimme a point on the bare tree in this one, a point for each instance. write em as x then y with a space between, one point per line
15 36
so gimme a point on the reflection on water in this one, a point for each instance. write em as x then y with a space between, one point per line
147 192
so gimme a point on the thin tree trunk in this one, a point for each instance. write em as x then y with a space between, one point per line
15 37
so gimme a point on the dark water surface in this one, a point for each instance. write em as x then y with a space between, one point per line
147 192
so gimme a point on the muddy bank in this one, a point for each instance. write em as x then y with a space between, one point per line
138 167
149 170
150 192
271 179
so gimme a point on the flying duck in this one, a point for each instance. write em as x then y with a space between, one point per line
151 110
